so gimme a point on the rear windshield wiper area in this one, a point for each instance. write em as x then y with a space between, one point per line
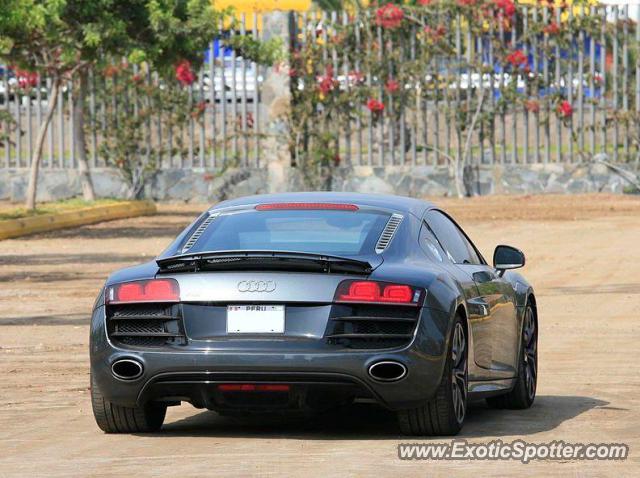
261 260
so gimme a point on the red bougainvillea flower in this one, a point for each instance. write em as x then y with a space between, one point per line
110 71
375 106
565 109
199 109
508 7
552 29
392 86
466 3
26 79
327 82
389 16
184 73
516 58
532 106
424 2
435 34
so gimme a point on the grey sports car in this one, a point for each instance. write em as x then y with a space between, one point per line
308 301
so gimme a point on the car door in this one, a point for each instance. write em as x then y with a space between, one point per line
492 312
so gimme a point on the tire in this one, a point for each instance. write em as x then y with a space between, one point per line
444 414
523 393
116 419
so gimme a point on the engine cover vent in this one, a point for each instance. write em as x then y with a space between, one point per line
198 232
388 232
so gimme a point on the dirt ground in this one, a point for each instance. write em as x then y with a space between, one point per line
582 258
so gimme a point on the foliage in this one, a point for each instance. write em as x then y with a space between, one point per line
126 141
7 126
54 207
382 62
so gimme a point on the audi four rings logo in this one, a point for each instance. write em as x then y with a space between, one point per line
256 286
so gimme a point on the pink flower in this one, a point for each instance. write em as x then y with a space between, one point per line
565 109
532 106
389 16
466 3
551 29
392 86
184 73
435 34
356 77
375 106
424 3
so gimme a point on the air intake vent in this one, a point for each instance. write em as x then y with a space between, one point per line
388 233
198 232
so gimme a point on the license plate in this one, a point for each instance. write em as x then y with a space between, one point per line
255 319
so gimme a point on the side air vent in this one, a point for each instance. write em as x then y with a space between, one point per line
198 232
388 232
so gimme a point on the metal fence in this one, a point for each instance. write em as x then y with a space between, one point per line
599 76
226 129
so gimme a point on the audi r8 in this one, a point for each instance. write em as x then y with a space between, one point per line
308 301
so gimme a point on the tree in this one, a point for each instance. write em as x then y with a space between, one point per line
63 39
32 36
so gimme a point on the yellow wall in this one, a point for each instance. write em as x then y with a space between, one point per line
251 6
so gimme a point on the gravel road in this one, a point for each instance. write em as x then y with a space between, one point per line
583 258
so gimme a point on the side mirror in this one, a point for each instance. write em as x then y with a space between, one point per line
507 257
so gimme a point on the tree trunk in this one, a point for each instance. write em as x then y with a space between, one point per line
36 157
88 192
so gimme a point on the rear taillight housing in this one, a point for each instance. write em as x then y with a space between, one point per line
366 291
153 290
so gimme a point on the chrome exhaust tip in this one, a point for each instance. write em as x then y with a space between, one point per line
126 369
387 371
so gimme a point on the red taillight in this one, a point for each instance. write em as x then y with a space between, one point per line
306 205
154 290
377 292
253 387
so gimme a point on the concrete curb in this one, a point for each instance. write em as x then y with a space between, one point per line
90 215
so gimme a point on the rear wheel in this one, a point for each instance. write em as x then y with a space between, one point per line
444 414
116 419
524 392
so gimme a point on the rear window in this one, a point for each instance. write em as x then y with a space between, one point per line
314 231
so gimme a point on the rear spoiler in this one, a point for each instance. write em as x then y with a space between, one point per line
279 260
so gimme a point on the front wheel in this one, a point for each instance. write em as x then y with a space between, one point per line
444 414
113 418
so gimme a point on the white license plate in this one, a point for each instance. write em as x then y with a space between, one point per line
255 319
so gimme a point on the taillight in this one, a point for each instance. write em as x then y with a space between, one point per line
306 205
378 292
253 387
154 290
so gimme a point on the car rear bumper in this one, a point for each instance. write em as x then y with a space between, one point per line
188 374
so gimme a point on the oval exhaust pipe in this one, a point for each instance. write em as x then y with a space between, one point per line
387 371
126 369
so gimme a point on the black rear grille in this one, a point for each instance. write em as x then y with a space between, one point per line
146 325
371 326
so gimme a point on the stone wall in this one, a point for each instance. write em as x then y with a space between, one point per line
202 185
